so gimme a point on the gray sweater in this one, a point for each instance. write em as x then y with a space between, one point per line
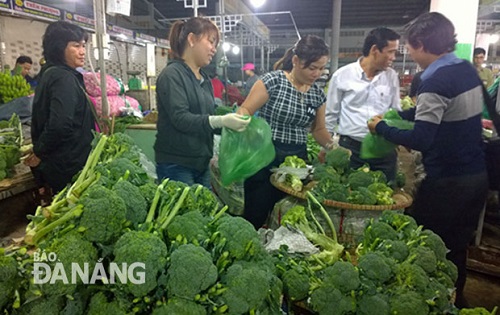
184 136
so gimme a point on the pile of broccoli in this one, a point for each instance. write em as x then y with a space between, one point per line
398 268
190 256
337 181
11 140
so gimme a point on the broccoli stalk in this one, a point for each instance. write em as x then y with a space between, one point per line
34 236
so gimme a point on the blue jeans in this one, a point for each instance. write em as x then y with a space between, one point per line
182 174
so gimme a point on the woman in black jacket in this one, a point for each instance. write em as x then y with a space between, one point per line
62 120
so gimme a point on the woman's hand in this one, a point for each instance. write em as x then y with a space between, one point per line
372 123
32 160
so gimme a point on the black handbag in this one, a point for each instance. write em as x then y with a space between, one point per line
492 145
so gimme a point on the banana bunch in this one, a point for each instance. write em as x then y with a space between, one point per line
12 86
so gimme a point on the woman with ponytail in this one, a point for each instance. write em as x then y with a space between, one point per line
293 105
186 105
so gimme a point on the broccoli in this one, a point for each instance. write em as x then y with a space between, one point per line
379 177
477 311
342 275
360 178
340 159
43 305
177 306
448 268
328 300
383 193
376 304
411 276
295 284
118 167
400 179
328 189
394 248
190 272
99 305
8 278
135 202
375 266
362 196
424 257
246 287
293 161
437 296
237 236
324 172
400 222
104 217
294 182
70 248
434 242
148 191
376 232
408 303
191 226
149 249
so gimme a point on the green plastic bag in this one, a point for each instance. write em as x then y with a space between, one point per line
375 146
242 154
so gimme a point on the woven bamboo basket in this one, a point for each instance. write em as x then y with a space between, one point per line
402 200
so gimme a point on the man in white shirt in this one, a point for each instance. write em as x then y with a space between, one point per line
361 90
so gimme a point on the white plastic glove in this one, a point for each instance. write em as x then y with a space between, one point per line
232 121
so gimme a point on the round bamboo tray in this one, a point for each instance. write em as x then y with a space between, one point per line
402 200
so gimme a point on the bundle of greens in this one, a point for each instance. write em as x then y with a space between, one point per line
11 140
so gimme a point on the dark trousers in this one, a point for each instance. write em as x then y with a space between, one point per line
387 164
450 207
260 194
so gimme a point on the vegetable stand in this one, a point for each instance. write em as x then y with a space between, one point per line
349 219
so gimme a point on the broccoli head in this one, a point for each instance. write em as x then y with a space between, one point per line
295 284
408 303
448 268
328 300
376 304
293 161
104 217
141 247
191 226
411 276
376 232
360 178
99 305
8 278
340 159
438 297
342 275
400 222
376 267
324 172
177 306
434 242
328 189
424 257
362 196
190 272
238 237
383 193
394 248
247 286
135 202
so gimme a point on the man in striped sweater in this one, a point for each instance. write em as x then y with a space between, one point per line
448 133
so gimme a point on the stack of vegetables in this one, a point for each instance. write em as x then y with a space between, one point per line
197 259
12 86
336 181
399 268
11 139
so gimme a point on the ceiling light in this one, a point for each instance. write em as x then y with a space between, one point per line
226 46
236 50
257 3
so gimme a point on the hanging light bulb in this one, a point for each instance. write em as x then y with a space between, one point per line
236 50
226 46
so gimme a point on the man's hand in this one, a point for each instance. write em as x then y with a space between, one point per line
372 123
32 160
